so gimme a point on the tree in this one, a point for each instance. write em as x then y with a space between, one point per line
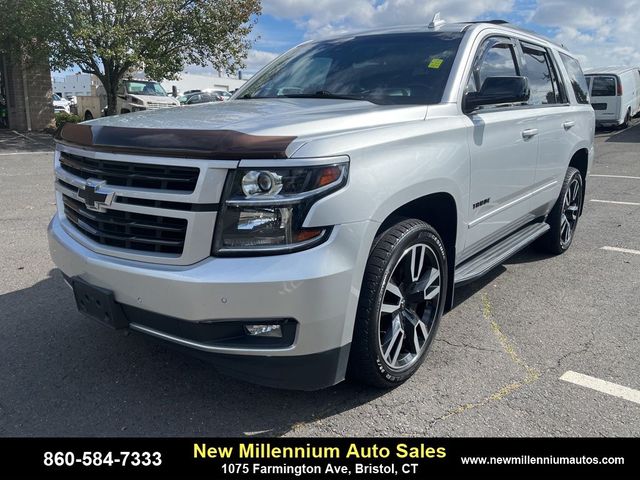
109 38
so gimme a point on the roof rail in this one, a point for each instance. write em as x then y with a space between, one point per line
514 27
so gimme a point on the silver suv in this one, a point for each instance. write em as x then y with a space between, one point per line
316 225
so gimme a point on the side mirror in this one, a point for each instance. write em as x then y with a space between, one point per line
496 90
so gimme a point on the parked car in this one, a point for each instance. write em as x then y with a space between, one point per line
296 238
615 95
221 95
195 98
60 104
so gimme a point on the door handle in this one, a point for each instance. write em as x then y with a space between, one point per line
568 125
529 132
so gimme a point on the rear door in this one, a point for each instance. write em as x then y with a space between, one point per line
556 122
604 100
503 145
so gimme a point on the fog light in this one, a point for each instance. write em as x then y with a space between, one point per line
264 330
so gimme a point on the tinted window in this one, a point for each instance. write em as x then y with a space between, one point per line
577 78
603 86
406 68
537 69
497 62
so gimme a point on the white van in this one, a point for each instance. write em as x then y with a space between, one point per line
615 94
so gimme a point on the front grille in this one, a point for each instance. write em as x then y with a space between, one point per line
127 174
135 231
155 105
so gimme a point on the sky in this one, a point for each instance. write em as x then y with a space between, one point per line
598 32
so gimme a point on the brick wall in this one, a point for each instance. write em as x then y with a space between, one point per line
38 89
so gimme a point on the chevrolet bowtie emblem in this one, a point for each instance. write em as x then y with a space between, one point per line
93 198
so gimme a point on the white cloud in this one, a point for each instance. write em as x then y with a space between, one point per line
598 32
258 59
601 33
323 17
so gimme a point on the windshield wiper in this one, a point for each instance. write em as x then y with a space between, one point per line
325 94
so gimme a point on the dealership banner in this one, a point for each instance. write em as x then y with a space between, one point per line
320 458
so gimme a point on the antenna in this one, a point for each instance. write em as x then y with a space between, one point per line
436 21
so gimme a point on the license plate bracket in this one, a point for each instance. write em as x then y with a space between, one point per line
98 304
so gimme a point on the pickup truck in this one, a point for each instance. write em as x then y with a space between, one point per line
316 226
133 96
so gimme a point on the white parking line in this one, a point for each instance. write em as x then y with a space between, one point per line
603 386
621 250
27 153
617 203
614 176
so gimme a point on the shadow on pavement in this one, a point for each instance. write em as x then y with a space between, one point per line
12 142
630 135
64 374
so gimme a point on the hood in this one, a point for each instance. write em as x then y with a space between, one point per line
238 129
274 116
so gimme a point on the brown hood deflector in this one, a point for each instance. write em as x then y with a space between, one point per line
177 142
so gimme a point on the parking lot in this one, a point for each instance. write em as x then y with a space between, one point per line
494 369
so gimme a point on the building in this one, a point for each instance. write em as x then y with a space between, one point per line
74 85
25 93
191 81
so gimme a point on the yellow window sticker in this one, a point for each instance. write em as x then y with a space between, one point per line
435 63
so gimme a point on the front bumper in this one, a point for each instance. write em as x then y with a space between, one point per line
318 289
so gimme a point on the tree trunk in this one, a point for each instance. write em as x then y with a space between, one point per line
112 96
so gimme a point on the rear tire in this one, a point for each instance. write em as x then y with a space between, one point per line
627 120
564 215
401 302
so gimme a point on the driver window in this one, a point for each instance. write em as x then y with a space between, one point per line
121 89
498 60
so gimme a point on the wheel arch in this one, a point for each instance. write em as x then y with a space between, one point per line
439 210
580 161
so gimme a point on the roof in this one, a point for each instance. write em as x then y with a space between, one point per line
450 27
613 70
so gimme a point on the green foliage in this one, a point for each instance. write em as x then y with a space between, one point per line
64 117
109 38
26 26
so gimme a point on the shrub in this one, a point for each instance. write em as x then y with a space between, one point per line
64 117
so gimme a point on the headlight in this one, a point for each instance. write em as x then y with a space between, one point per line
264 208
135 100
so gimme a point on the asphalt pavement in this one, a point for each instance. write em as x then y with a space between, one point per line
494 369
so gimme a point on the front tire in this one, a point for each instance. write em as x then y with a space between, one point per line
564 216
401 302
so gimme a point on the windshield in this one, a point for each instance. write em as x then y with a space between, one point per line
137 87
56 97
400 68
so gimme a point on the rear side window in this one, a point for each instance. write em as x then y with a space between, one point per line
603 86
577 78
537 68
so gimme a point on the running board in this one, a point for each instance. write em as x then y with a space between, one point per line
492 257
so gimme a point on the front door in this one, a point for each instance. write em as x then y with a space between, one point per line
503 145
